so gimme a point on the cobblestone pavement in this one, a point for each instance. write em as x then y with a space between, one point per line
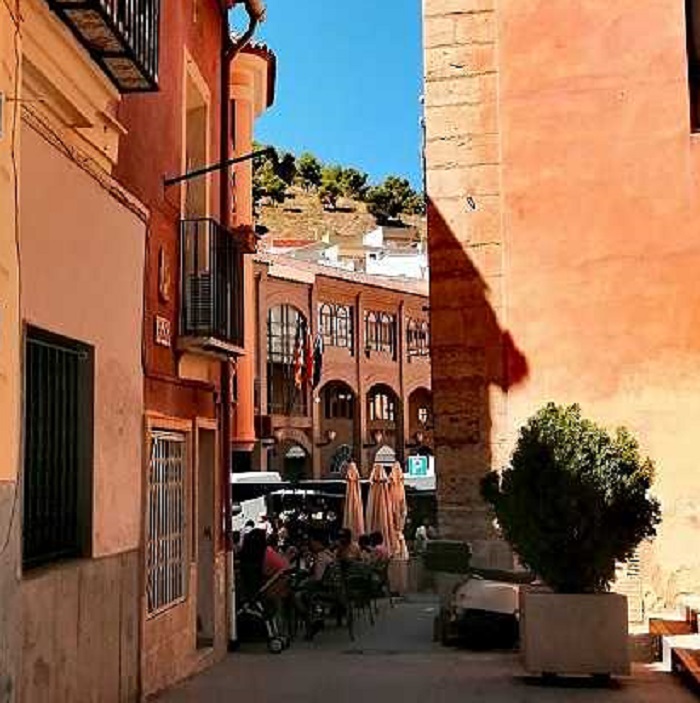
396 662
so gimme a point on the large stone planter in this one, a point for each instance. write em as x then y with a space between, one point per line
574 634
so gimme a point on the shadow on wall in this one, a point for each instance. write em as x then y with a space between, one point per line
472 356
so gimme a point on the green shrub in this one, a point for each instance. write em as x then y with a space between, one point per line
574 500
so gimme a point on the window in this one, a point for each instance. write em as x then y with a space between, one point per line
418 338
286 343
380 332
166 545
57 488
423 415
339 403
692 23
382 407
336 325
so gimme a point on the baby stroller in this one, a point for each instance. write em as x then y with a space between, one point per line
257 608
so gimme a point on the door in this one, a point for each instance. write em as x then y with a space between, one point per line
206 476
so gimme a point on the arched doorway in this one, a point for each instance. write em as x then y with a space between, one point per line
384 422
336 424
295 463
420 422
339 461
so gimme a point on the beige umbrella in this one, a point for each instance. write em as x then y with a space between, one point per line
399 510
352 516
379 514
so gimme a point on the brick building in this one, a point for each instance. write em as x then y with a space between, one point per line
372 402
562 174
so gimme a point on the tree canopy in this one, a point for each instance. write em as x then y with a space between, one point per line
276 171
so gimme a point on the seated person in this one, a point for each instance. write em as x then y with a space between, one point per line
347 550
311 589
365 548
380 552
259 563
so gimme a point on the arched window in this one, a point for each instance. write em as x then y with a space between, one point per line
326 320
338 402
418 338
424 339
336 325
344 328
387 333
382 405
371 330
380 331
286 339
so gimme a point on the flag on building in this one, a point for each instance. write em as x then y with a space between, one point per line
309 360
318 360
298 360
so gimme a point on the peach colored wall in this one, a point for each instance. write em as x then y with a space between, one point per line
568 123
243 95
9 271
600 178
82 267
9 366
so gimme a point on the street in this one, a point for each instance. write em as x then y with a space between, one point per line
395 661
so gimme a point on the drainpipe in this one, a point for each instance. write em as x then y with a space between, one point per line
230 48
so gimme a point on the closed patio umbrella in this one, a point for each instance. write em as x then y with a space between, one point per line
353 517
379 515
399 509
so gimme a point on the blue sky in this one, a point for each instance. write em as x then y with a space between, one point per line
349 83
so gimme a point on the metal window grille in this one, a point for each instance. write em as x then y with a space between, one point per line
58 447
166 548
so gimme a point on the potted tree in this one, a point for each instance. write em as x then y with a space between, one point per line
574 502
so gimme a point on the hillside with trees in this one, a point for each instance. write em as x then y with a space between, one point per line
299 198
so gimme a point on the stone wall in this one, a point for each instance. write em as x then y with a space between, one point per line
474 359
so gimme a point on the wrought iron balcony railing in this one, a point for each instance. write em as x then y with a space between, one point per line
121 36
211 265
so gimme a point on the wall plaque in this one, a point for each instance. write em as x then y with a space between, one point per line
163 333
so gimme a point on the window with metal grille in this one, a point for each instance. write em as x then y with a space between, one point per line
58 429
166 542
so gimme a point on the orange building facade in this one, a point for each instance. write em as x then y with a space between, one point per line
563 180
371 400
195 331
121 329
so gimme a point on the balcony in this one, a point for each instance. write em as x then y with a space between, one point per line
211 265
120 35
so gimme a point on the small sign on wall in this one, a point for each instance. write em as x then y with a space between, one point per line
163 332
